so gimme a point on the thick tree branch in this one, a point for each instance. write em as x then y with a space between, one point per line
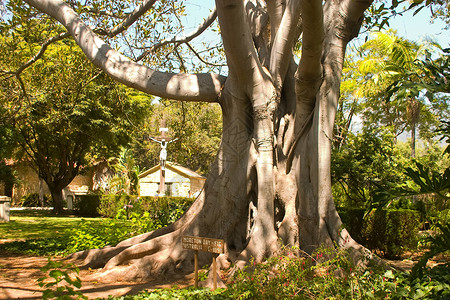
238 41
309 72
275 8
283 42
188 87
351 14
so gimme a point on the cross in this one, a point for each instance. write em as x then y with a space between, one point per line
163 140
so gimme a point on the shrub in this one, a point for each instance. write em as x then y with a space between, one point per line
390 232
32 200
87 205
353 219
110 205
163 208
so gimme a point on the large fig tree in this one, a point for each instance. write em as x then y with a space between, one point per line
270 183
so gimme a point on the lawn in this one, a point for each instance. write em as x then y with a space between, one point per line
33 224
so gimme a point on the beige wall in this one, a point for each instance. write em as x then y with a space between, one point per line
29 183
181 186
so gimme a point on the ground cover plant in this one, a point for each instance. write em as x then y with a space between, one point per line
327 274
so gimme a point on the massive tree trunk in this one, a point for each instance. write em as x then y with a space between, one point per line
271 179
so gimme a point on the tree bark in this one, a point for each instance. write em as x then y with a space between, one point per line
57 199
41 192
271 179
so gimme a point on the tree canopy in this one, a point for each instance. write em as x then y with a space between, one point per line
62 111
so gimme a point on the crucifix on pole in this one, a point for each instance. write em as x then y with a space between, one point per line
163 140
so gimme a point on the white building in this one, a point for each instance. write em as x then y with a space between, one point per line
179 181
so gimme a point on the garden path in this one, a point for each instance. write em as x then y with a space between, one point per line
19 274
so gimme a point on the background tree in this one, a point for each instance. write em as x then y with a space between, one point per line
367 160
272 170
64 112
387 61
387 83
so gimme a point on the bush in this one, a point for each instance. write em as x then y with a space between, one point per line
162 208
390 232
32 200
87 205
110 205
353 219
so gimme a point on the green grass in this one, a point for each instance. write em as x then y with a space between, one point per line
39 232
28 224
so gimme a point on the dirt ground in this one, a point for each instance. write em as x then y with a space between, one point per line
19 274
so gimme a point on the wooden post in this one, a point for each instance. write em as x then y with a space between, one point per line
195 243
214 272
196 267
162 181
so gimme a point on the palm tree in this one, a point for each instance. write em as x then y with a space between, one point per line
392 76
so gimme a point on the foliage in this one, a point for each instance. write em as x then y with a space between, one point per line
39 233
58 273
109 205
160 207
32 200
85 236
65 111
366 159
333 277
197 126
7 176
126 175
390 232
393 86
432 78
86 205
56 235
145 214
38 246
439 242
326 274
422 180
175 293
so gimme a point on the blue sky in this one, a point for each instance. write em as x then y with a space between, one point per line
418 27
408 26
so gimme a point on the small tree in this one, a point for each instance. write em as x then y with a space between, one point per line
64 111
